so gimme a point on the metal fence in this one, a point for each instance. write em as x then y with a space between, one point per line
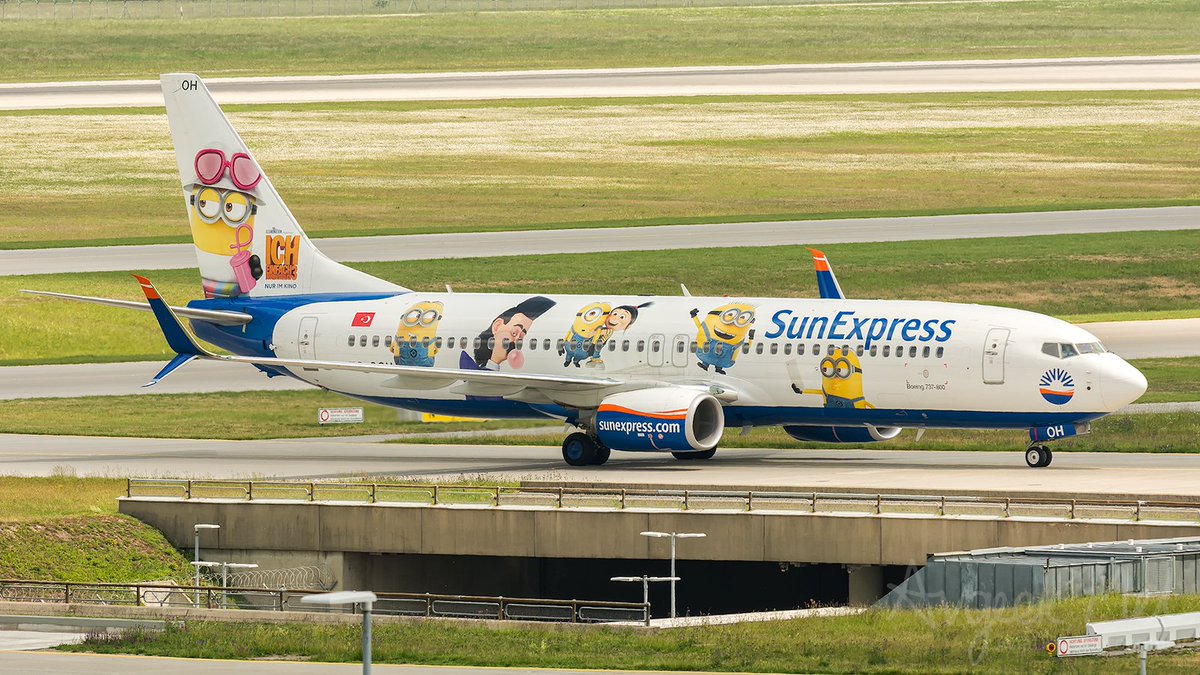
389 604
675 500
59 10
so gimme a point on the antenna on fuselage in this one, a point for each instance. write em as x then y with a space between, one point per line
686 292
448 289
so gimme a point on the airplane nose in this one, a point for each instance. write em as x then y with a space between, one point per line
1123 384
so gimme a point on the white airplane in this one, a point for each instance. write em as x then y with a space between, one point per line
649 374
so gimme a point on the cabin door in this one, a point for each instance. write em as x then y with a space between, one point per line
307 339
993 356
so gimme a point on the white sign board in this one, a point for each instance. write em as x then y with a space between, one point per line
1082 645
340 415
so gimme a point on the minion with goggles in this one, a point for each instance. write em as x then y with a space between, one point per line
580 342
221 210
722 334
841 382
416 336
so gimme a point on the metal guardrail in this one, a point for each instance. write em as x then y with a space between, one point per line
391 604
678 500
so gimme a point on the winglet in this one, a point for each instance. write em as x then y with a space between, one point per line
827 283
178 337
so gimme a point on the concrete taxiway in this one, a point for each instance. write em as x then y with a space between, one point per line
1174 475
1130 339
55 663
657 238
1067 74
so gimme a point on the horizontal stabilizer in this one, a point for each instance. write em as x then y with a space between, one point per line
220 318
175 364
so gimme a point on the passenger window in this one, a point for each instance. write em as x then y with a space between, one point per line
873 348
387 341
925 352
350 342
438 342
774 347
532 345
655 346
680 347
1068 350
546 344
887 350
800 349
425 342
612 345
829 350
478 342
624 345
787 348
374 340
641 345
940 351
758 349
562 345
491 343
859 350
450 343
362 341
693 347
1050 349
816 350
912 352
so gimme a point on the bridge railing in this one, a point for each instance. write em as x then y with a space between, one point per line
559 497
391 604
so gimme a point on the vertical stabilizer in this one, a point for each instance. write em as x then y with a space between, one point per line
247 241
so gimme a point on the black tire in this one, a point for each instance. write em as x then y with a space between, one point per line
579 449
602 454
702 454
1038 456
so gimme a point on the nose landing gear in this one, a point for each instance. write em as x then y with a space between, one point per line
1038 456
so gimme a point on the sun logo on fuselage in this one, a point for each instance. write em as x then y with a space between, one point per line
1057 386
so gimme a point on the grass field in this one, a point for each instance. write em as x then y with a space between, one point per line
943 640
244 415
1092 277
108 177
80 50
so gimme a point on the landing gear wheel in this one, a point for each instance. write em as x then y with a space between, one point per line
1038 456
602 453
579 449
703 454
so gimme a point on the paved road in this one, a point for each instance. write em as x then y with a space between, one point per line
1131 339
54 663
663 237
1108 73
822 470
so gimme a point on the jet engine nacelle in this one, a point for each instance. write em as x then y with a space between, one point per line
841 434
663 418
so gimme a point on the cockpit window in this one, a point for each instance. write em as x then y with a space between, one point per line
1065 350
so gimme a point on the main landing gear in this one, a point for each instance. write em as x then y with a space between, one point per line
580 449
1038 456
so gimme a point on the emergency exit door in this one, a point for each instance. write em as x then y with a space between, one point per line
307 339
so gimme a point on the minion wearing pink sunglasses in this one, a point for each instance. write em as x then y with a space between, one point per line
221 209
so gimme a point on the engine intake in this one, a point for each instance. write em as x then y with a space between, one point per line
660 419
841 434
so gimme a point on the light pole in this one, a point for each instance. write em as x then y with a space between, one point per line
365 598
206 565
646 588
674 536
196 529
225 567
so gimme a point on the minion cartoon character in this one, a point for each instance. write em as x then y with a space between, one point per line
580 342
416 336
722 334
221 208
620 318
841 381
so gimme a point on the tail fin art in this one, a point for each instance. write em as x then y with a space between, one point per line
248 244
827 284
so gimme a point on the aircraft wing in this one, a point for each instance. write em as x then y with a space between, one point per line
827 283
221 318
185 345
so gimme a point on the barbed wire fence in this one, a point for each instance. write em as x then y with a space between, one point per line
68 10
292 578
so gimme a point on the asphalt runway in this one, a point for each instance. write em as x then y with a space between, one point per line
821 470
56 663
1069 74
657 238
1130 339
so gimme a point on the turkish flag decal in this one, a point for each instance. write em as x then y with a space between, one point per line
363 319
